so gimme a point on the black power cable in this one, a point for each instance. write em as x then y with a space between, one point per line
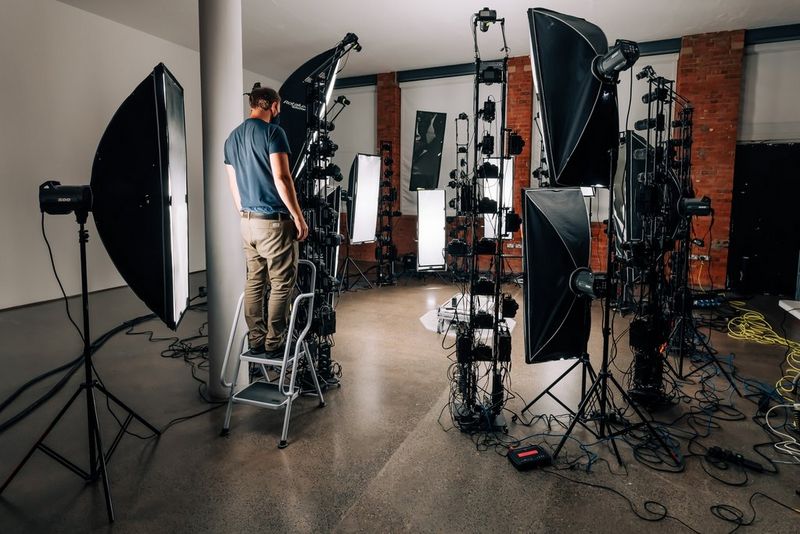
58 279
71 368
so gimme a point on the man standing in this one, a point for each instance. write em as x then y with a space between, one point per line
257 162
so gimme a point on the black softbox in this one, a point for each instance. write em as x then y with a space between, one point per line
579 110
293 95
140 194
557 242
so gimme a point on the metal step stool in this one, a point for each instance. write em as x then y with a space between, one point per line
282 392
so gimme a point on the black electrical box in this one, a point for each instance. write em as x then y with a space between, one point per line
504 345
483 319
529 457
463 346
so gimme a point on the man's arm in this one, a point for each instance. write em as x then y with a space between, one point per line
285 186
237 200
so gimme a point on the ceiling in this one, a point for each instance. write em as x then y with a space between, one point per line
279 35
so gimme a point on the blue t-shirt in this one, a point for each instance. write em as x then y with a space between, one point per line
247 149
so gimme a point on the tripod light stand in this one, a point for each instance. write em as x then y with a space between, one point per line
98 456
139 201
575 74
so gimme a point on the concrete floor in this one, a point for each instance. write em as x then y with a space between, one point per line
375 459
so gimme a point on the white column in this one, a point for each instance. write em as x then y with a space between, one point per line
221 85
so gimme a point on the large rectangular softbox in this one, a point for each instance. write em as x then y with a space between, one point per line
426 159
431 230
557 243
364 188
140 201
578 108
491 189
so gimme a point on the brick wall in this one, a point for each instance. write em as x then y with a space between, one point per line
520 118
599 259
388 129
710 76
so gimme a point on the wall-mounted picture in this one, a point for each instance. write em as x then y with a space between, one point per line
427 156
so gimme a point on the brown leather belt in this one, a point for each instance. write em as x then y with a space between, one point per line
277 216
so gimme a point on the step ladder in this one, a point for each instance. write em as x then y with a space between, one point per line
281 393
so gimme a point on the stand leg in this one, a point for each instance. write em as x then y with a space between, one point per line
125 407
644 420
99 464
551 386
581 412
713 360
41 439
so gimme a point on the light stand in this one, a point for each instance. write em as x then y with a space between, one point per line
345 276
98 459
385 249
489 416
599 390
685 326
585 283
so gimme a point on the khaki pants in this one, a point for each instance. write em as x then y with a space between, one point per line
271 253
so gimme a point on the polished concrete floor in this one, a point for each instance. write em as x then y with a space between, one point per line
375 459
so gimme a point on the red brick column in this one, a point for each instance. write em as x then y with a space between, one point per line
710 76
404 232
519 117
388 129
599 258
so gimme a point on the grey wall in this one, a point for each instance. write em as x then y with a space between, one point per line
769 110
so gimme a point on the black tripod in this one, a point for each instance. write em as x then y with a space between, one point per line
685 327
344 280
97 458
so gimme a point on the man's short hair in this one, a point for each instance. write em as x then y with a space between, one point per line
262 97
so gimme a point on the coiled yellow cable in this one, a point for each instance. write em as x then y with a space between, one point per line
753 326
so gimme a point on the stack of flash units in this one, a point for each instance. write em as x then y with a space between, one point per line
306 97
483 339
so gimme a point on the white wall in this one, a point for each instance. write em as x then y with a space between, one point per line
769 107
356 127
65 72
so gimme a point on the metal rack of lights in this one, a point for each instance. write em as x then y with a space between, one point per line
320 201
461 183
482 367
385 248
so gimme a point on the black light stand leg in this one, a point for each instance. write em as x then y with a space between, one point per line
101 466
40 442
580 361
578 414
344 282
125 407
713 360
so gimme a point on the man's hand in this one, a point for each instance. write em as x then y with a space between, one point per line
237 201
302 228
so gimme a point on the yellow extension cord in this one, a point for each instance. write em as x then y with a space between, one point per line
752 326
